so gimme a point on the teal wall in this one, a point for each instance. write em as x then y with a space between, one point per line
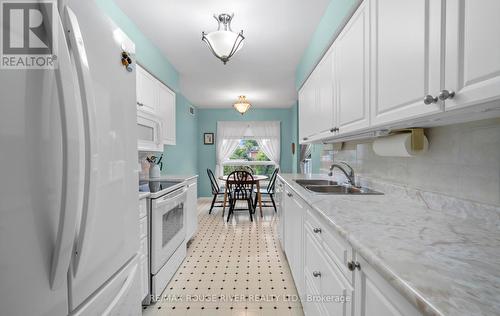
207 123
181 158
189 155
328 27
147 53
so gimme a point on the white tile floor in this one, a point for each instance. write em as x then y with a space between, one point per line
235 268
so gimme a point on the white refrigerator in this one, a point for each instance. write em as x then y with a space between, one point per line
69 232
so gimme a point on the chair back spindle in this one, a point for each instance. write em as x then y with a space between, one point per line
240 185
213 182
272 181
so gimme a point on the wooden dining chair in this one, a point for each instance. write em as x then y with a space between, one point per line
267 191
240 185
246 168
217 190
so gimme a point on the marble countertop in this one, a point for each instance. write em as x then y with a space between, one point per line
441 253
143 195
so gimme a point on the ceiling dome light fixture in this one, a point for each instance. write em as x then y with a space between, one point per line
223 43
242 105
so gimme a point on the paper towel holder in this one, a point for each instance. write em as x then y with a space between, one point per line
417 137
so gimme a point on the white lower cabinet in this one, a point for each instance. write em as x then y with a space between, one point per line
376 297
310 307
331 278
278 199
143 250
143 269
191 209
333 295
294 211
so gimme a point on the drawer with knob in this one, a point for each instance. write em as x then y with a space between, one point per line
334 246
312 262
324 279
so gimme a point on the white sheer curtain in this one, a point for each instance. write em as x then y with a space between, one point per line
266 133
227 141
268 138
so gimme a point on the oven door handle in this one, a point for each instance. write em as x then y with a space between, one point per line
167 199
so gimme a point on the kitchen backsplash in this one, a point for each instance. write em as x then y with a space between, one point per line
463 161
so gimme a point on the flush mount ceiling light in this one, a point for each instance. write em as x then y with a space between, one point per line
242 105
223 43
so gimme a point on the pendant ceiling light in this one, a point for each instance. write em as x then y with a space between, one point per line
242 105
223 43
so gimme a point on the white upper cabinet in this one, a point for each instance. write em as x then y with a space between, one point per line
316 108
406 58
324 112
303 119
156 104
351 73
472 52
147 91
166 113
307 107
401 63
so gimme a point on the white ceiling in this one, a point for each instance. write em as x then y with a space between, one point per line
277 33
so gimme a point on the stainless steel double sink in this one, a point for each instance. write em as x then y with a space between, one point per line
334 188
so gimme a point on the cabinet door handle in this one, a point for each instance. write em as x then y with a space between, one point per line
316 274
429 99
317 230
305 138
446 94
289 194
351 265
140 104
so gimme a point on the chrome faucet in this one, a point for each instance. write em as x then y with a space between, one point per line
342 166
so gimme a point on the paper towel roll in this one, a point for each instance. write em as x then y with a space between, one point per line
397 146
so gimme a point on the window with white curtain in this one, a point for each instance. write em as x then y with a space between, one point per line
249 154
253 144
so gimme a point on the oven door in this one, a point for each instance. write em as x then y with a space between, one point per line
167 227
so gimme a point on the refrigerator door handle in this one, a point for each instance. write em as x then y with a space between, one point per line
124 289
71 141
77 48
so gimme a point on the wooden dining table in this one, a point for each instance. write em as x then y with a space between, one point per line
256 179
